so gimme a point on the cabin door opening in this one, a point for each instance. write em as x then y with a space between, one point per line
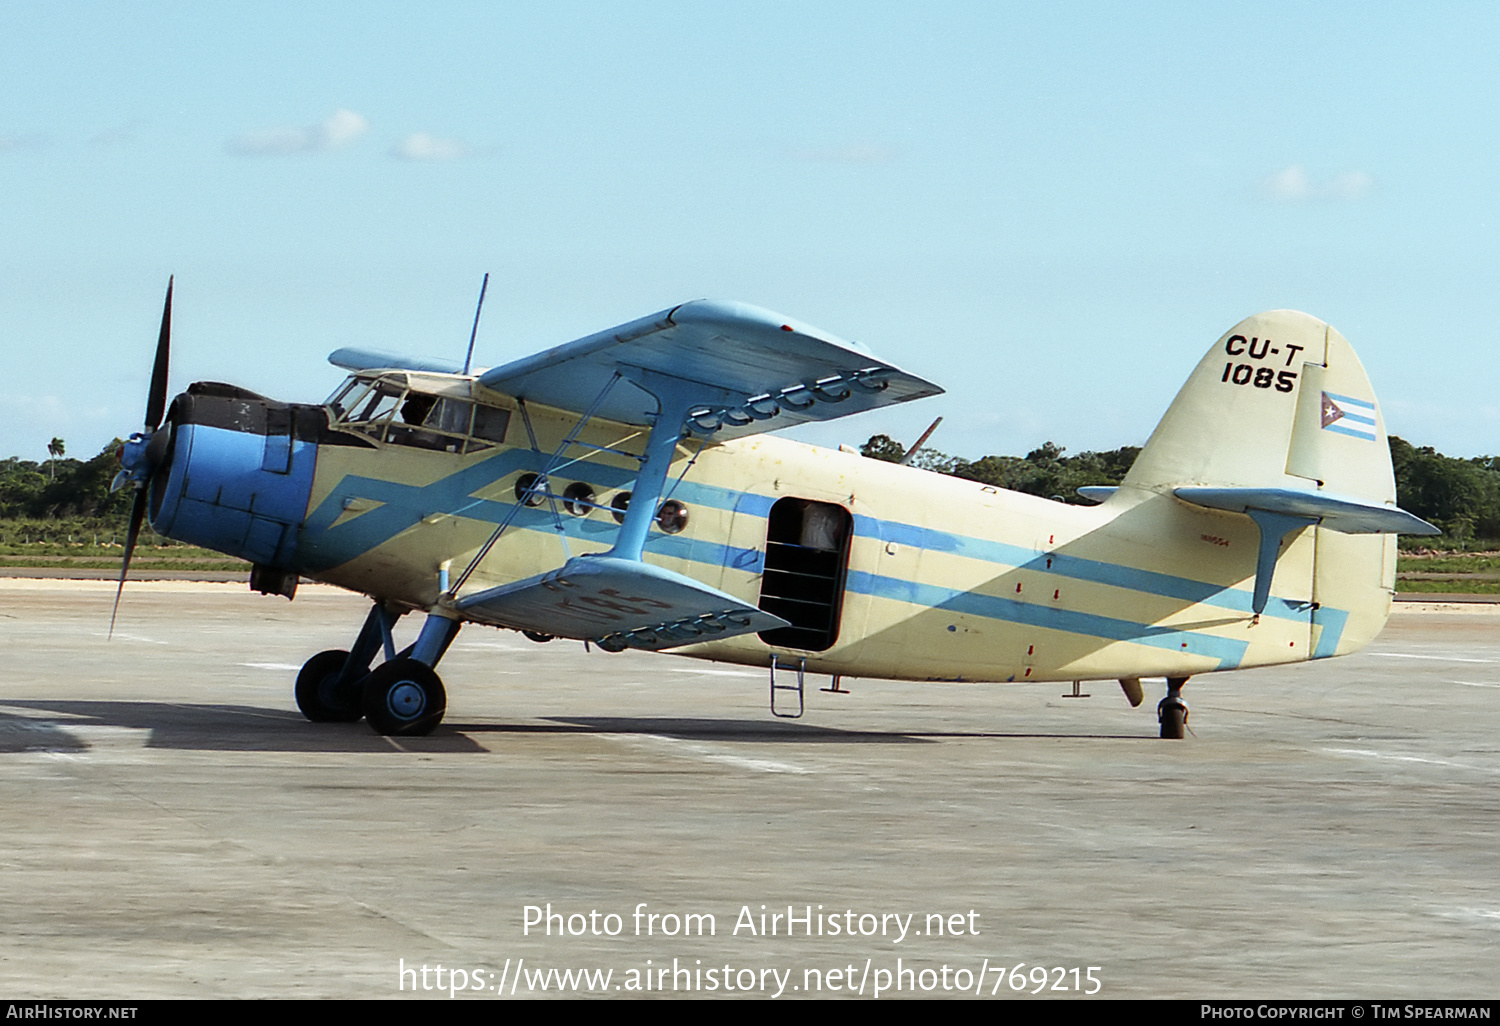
807 557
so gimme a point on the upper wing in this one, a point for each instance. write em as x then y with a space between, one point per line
757 370
356 359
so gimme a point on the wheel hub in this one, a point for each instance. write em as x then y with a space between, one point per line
407 700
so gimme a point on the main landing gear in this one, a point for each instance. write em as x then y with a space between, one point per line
403 695
1172 711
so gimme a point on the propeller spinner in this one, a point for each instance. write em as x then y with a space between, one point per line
145 451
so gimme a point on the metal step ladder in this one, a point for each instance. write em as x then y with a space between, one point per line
795 688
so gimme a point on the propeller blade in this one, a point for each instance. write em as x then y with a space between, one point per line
156 402
156 406
137 515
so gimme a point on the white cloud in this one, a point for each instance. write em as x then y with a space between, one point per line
1289 185
421 146
1293 185
341 129
334 132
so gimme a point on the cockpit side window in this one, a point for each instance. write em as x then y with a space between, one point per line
345 396
490 423
451 416
386 409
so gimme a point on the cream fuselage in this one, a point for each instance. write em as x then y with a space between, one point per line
946 579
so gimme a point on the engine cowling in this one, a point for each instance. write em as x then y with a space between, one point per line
236 473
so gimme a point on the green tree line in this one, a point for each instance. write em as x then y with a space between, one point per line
64 489
1460 496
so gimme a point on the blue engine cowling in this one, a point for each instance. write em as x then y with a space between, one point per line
237 473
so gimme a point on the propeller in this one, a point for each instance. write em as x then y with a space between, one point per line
146 450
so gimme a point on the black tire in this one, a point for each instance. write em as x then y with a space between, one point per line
404 697
1173 714
321 696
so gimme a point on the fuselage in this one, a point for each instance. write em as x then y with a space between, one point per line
394 486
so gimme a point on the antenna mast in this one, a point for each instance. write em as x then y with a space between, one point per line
469 356
906 460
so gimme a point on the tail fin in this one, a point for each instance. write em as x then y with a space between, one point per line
1280 401
1279 423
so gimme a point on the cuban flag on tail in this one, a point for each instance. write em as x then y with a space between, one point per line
1349 416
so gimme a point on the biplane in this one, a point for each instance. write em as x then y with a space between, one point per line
625 490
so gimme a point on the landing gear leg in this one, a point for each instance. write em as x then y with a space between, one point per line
1172 712
404 695
329 686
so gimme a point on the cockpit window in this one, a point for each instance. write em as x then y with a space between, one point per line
345 396
387 410
490 423
451 416
374 409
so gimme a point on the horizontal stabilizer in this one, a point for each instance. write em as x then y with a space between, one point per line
756 371
1098 493
1347 516
619 604
356 359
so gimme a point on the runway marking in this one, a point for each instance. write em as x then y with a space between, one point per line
500 646
121 635
100 743
29 714
272 666
677 746
1438 658
1486 916
715 673
1371 754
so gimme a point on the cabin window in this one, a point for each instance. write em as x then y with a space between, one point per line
807 557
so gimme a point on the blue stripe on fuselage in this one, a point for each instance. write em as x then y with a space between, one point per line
1332 621
1092 570
1228 651
324 546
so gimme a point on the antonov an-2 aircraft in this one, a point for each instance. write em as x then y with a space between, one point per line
623 490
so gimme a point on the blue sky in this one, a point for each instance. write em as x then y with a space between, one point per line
1051 210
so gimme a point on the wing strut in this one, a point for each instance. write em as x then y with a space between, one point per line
614 598
547 470
1274 527
676 398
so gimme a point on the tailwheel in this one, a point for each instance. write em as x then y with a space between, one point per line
1172 712
404 696
322 693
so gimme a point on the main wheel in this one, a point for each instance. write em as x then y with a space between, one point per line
404 696
1173 714
321 695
